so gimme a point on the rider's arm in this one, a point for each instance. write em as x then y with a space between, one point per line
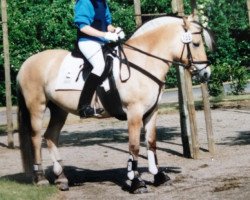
92 31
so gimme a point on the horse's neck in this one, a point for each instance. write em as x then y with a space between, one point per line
150 45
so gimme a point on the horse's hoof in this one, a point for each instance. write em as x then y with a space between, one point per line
43 182
63 186
62 183
142 190
161 178
39 179
138 186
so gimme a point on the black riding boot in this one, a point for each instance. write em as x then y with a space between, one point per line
84 108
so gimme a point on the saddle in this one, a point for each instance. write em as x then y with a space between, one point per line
110 99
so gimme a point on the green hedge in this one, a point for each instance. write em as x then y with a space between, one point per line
36 25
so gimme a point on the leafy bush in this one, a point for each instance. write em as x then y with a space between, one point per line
171 80
36 25
229 21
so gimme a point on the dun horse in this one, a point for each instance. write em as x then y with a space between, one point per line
151 50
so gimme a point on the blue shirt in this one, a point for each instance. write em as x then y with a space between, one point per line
97 16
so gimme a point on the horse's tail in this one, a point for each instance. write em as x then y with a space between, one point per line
24 129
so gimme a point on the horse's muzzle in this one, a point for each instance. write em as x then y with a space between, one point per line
202 72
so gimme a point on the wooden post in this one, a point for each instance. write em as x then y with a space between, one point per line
186 102
7 74
208 118
206 103
184 118
178 7
137 5
192 114
193 6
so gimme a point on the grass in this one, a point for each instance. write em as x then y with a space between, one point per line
3 129
227 101
231 98
11 190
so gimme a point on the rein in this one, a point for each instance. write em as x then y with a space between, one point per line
154 56
189 56
130 64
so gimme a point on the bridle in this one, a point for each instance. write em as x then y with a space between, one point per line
186 43
187 40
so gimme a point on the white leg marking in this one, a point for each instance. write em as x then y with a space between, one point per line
54 154
57 168
153 169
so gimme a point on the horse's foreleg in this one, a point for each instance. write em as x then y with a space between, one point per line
36 114
160 177
57 120
134 129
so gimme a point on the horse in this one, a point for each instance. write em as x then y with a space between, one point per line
150 51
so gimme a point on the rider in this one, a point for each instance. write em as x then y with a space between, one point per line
93 20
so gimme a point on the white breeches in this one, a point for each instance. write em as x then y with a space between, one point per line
92 50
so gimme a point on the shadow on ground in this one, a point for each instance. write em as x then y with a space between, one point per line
88 138
79 176
243 138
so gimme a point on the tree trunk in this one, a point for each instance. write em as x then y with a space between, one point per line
7 74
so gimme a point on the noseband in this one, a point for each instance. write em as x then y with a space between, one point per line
187 39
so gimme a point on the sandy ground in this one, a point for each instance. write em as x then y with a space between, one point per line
95 154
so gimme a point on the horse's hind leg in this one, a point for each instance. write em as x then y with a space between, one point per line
57 120
134 129
36 115
160 177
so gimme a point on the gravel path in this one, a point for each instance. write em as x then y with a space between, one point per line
95 154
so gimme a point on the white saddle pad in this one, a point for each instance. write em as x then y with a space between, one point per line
70 75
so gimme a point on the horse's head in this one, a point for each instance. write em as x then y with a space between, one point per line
193 54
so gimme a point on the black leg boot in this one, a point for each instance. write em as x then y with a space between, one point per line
84 108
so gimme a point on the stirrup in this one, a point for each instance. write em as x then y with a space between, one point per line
87 111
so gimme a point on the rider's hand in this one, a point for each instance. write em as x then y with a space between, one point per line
120 33
111 28
111 36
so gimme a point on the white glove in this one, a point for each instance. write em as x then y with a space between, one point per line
111 36
120 33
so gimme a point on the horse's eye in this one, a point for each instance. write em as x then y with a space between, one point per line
196 44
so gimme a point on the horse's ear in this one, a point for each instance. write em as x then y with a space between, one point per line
193 17
186 22
209 39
